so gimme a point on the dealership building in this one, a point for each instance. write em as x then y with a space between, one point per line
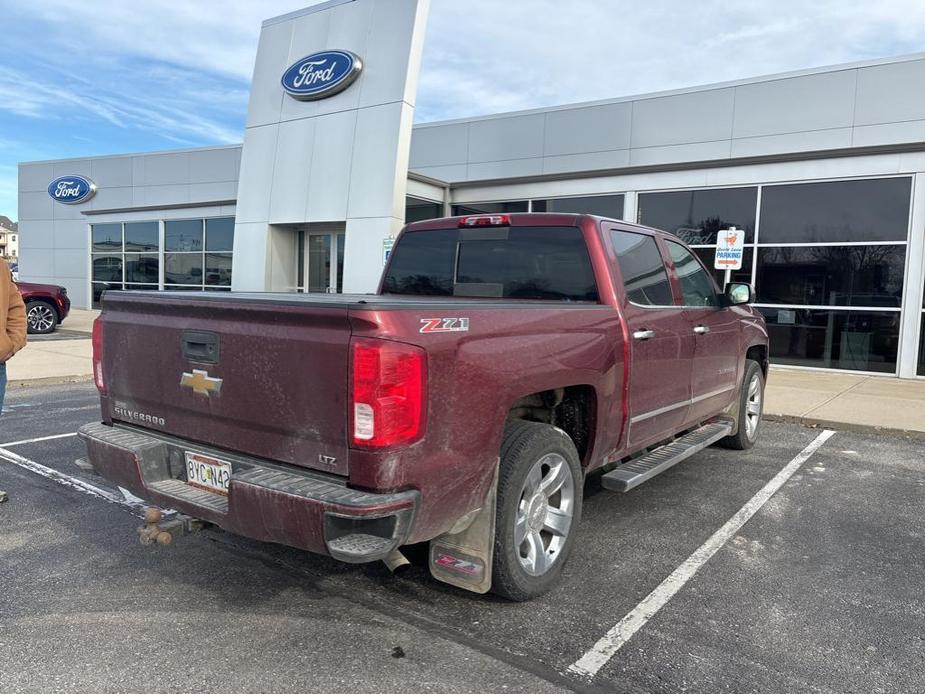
824 169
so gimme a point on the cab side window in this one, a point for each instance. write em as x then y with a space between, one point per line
696 285
644 276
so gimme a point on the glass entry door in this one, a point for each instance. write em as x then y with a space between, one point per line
321 262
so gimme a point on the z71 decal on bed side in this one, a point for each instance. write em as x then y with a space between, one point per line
444 325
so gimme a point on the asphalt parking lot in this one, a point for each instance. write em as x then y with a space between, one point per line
822 590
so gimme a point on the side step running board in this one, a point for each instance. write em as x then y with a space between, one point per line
637 471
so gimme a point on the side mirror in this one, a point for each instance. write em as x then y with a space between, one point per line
738 293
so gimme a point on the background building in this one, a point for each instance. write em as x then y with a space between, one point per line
9 239
824 169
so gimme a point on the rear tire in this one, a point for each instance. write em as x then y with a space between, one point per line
751 409
539 508
41 318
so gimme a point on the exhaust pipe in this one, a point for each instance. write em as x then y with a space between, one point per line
396 562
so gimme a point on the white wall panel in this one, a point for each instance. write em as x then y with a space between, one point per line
165 169
585 130
36 176
291 171
440 146
266 97
71 234
891 93
111 172
70 263
214 165
798 104
329 184
515 137
683 119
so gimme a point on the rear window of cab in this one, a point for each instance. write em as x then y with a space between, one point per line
540 263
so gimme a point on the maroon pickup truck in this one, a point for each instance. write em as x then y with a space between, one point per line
47 305
503 359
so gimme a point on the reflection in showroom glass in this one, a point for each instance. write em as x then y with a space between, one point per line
141 236
183 235
696 216
870 276
490 207
418 210
601 205
142 268
106 237
183 268
861 210
853 340
218 269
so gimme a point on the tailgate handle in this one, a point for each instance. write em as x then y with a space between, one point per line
200 346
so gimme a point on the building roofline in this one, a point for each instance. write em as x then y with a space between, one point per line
685 90
133 154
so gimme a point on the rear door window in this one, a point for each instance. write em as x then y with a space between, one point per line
645 278
545 263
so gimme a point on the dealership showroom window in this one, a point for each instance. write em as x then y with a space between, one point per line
194 254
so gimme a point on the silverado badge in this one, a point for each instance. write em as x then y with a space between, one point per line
201 382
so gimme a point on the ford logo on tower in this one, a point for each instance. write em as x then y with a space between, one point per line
321 75
71 189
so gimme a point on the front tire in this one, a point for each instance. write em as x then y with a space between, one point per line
751 409
539 508
41 318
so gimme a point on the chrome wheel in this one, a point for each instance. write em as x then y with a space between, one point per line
544 514
753 406
41 318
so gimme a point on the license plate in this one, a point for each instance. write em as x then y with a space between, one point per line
205 472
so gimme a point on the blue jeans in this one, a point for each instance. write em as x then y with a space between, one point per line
2 385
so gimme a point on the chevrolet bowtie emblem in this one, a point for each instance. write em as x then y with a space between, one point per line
201 382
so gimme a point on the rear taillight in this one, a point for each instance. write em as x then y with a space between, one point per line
389 383
98 355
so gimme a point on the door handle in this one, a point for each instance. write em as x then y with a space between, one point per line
643 334
701 330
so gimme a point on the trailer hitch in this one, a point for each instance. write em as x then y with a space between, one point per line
160 531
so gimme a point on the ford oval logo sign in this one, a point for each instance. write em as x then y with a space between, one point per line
321 75
71 189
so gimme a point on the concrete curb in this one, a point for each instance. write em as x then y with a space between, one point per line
50 381
845 426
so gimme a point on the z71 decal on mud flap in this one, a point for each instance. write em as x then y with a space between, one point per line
444 325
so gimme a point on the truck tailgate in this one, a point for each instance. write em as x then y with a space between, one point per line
282 365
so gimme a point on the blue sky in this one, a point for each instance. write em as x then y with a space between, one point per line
107 76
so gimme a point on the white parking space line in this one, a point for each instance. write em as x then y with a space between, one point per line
37 440
70 482
592 661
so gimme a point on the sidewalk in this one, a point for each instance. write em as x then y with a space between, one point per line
80 321
858 402
64 357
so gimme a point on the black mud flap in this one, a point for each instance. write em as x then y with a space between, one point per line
463 559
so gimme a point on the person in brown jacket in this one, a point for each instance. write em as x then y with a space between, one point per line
12 323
